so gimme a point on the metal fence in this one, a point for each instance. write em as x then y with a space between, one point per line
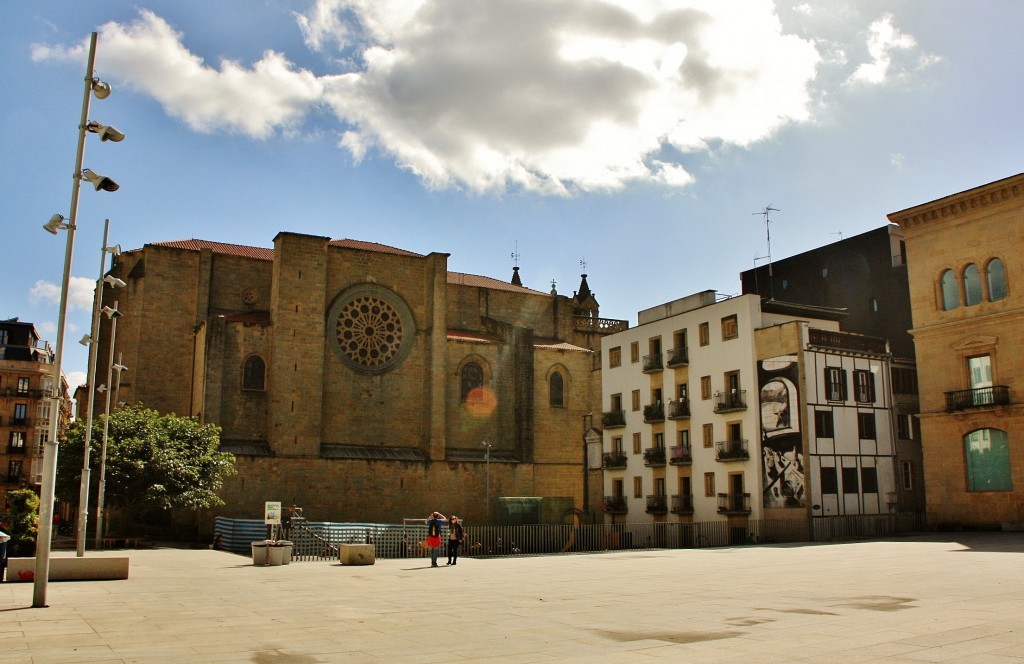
322 540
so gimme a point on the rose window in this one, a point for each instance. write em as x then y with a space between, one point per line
369 331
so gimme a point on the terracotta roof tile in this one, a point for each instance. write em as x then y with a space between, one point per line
371 246
464 279
259 253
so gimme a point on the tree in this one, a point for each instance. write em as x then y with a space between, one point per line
23 521
154 462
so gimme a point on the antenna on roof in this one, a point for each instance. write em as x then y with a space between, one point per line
840 234
767 229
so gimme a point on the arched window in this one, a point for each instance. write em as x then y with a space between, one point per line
254 373
556 395
471 378
972 285
950 295
987 454
996 280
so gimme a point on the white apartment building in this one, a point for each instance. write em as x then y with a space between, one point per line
732 410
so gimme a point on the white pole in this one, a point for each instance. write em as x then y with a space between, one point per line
106 425
46 489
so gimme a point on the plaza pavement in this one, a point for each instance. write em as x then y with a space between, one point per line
956 597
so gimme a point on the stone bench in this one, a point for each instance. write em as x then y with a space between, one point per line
357 554
94 568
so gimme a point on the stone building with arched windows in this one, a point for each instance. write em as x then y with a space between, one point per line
362 381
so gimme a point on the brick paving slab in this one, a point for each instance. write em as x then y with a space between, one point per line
929 598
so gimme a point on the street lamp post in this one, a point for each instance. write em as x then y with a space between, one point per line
113 315
92 340
487 486
49 474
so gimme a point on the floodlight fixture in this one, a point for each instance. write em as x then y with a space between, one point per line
119 368
85 340
110 312
115 250
101 388
105 132
100 88
114 281
56 223
99 181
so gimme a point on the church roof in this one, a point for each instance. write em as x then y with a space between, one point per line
463 279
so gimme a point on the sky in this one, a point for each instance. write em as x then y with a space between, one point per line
639 141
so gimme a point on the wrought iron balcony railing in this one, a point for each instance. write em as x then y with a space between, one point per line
682 503
653 363
614 460
681 455
654 456
654 412
678 409
615 504
979 397
657 504
613 419
678 357
726 402
15 449
734 503
731 450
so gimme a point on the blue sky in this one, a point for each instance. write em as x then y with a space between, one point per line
639 136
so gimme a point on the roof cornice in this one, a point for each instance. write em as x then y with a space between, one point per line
961 204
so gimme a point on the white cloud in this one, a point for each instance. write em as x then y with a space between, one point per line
555 96
885 44
80 293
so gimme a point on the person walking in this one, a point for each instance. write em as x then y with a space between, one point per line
456 533
434 523
4 539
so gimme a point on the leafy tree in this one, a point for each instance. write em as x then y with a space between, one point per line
154 462
22 520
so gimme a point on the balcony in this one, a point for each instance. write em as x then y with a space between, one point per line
614 460
681 456
979 397
678 409
653 363
599 325
654 456
657 504
731 450
613 419
654 413
727 402
20 422
615 504
847 341
734 503
678 357
682 504
15 449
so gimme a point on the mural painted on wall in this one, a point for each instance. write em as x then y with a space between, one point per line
781 444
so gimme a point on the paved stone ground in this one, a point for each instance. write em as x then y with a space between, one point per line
931 598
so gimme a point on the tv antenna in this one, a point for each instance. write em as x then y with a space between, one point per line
768 232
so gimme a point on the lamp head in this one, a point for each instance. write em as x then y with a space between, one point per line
55 224
100 89
85 340
115 250
119 368
110 312
106 132
99 181
101 389
113 281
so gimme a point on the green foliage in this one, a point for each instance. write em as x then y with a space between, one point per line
154 461
22 521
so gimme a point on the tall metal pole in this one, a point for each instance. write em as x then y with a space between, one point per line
487 459
106 425
49 480
94 336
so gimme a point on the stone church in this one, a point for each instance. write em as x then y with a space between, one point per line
363 382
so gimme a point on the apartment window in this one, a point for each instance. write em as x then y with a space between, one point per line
907 472
864 386
835 384
638 487
904 431
681 392
709 484
635 396
659 440
253 373
972 285
824 427
829 480
634 352
684 438
869 480
904 380
617 488
23 385
3 337
472 377
556 390
866 425
988 460
637 443
20 413
617 444
708 433
996 279
17 441
824 272
616 402
730 328
873 304
705 387
14 471
704 332
615 356
950 294
850 483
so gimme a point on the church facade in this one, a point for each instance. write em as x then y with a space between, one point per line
360 381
